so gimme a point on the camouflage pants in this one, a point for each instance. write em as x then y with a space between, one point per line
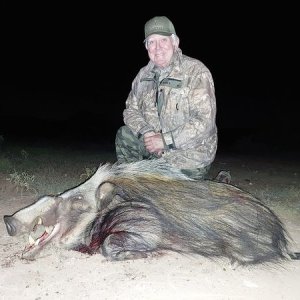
130 149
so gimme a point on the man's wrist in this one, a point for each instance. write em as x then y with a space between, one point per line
144 130
168 141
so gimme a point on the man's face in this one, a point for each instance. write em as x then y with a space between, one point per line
160 49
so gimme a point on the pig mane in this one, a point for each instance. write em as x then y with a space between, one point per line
145 167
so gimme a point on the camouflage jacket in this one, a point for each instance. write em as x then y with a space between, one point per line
188 113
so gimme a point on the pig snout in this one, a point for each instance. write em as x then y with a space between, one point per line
10 225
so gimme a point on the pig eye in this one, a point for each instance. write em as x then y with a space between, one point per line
78 203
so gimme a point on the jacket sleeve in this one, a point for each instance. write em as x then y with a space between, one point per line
132 114
200 125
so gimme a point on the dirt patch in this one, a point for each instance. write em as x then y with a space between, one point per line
60 274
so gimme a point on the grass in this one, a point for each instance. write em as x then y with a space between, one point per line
23 181
50 169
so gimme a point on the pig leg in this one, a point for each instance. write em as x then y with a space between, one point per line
122 245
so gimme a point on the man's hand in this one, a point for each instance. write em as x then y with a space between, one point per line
154 142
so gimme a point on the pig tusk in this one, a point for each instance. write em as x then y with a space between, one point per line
39 221
31 240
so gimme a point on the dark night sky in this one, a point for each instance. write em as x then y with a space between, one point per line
68 68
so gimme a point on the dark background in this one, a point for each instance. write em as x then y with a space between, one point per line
67 69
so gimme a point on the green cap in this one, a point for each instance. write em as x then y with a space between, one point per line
159 25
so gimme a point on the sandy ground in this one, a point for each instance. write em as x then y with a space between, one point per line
60 274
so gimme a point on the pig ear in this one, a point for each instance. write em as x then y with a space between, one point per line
105 193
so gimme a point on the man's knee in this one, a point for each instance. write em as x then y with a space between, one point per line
124 132
128 146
